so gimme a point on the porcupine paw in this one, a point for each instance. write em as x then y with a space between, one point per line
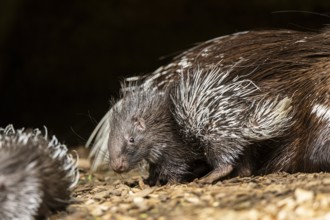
163 181
245 165
216 174
152 181
243 171
155 178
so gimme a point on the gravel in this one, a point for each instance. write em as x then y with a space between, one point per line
106 195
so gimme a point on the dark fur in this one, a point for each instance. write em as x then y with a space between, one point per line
281 64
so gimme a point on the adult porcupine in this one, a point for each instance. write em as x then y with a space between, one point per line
37 174
290 71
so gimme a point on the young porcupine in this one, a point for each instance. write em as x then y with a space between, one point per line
37 174
255 102
145 130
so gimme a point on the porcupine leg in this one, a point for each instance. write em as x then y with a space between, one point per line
269 118
246 164
153 175
216 174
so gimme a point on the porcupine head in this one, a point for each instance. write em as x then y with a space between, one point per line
135 132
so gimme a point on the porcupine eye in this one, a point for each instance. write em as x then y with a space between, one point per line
131 140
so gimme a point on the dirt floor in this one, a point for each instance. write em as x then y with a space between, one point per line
106 195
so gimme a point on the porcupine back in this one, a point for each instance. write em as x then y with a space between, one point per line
280 63
37 174
225 116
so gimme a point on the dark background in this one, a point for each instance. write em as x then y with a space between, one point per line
61 61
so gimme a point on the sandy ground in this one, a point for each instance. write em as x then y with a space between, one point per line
106 195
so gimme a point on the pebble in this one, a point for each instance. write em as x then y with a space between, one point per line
302 195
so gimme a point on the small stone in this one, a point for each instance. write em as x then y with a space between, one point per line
304 211
302 195
101 195
287 203
284 214
144 193
138 200
252 185
99 210
124 206
192 199
117 182
326 181
215 204
253 214
90 201
116 192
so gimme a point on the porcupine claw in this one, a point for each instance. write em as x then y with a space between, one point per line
216 174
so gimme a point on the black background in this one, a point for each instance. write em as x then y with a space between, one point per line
61 61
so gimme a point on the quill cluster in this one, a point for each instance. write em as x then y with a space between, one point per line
37 174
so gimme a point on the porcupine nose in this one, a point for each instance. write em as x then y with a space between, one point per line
119 165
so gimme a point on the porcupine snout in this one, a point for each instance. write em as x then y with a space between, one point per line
119 164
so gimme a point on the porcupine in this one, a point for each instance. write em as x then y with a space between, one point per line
284 122
37 174
145 130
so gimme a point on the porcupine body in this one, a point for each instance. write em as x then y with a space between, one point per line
37 174
276 119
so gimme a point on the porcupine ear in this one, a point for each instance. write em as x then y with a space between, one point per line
139 123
